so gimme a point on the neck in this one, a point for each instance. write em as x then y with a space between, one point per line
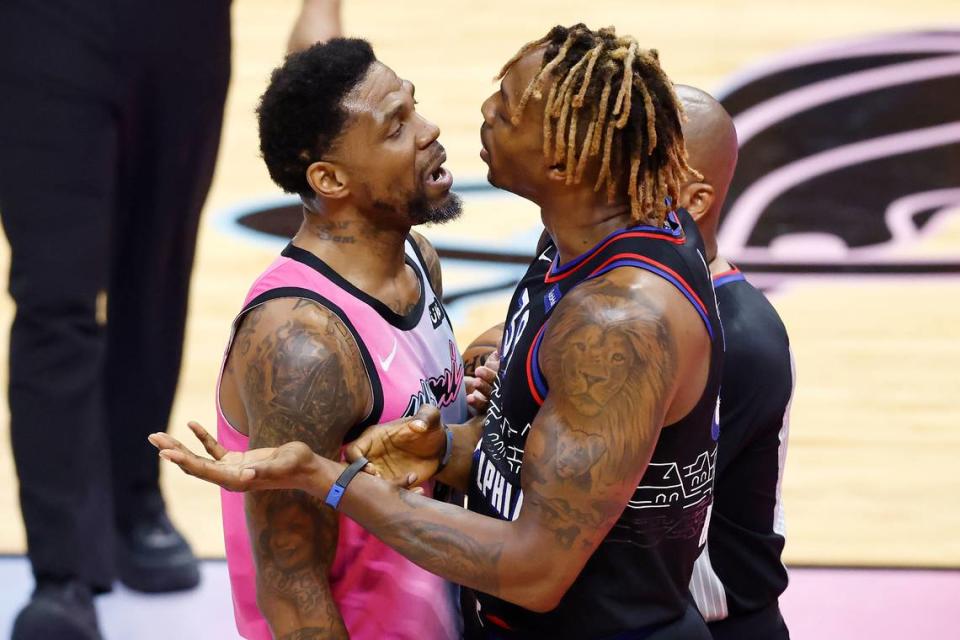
719 264
707 224
578 221
366 255
710 244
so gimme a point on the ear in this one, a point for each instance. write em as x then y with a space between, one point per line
557 173
328 180
697 198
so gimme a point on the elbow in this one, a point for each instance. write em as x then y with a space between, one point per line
544 602
264 603
540 591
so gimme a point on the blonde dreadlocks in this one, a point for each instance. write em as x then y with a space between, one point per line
631 112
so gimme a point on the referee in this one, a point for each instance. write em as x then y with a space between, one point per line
739 576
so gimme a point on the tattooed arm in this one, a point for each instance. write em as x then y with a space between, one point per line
610 358
477 352
300 378
613 355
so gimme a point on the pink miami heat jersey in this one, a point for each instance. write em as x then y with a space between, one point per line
410 360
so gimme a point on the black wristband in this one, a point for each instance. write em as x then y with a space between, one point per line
336 491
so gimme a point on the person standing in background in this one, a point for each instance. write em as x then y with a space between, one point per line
109 128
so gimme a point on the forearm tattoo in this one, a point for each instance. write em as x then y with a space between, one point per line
440 548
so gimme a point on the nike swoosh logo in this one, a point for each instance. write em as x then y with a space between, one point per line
385 364
543 257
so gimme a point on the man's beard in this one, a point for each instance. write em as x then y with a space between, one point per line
420 211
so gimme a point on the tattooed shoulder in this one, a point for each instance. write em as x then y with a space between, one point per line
609 342
304 379
608 356
432 260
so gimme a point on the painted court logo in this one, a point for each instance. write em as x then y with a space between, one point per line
849 153
849 160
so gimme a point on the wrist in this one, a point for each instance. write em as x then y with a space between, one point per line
446 448
343 480
321 475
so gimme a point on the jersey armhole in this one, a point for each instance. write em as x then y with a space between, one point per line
659 269
376 388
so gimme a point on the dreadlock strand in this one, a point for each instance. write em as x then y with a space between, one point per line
602 115
557 59
626 88
626 53
611 189
536 85
518 110
585 152
642 193
524 50
567 114
561 138
651 119
632 187
605 163
547 129
571 154
593 55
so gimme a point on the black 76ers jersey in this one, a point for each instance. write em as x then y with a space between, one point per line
637 579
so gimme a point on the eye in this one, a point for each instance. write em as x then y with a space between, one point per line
618 357
397 132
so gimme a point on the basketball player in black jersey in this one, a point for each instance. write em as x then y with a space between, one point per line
607 392
739 576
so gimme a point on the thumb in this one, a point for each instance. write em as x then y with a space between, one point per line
426 419
353 451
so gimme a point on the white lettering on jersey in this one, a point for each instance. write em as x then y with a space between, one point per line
496 489
514 328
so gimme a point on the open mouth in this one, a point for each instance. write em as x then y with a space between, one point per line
439 178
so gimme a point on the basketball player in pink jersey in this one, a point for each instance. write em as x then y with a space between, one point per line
607 394
345 329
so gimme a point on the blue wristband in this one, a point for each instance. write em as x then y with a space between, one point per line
448 453
336 491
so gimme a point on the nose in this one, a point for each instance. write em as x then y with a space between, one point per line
429 133
486 110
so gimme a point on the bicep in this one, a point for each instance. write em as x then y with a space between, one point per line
302 378
301 381
607 357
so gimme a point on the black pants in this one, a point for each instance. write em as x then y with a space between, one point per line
110 117
765 624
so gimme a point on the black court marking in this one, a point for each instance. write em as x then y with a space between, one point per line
858 141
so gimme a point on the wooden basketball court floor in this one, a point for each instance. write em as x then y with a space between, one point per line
872 475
